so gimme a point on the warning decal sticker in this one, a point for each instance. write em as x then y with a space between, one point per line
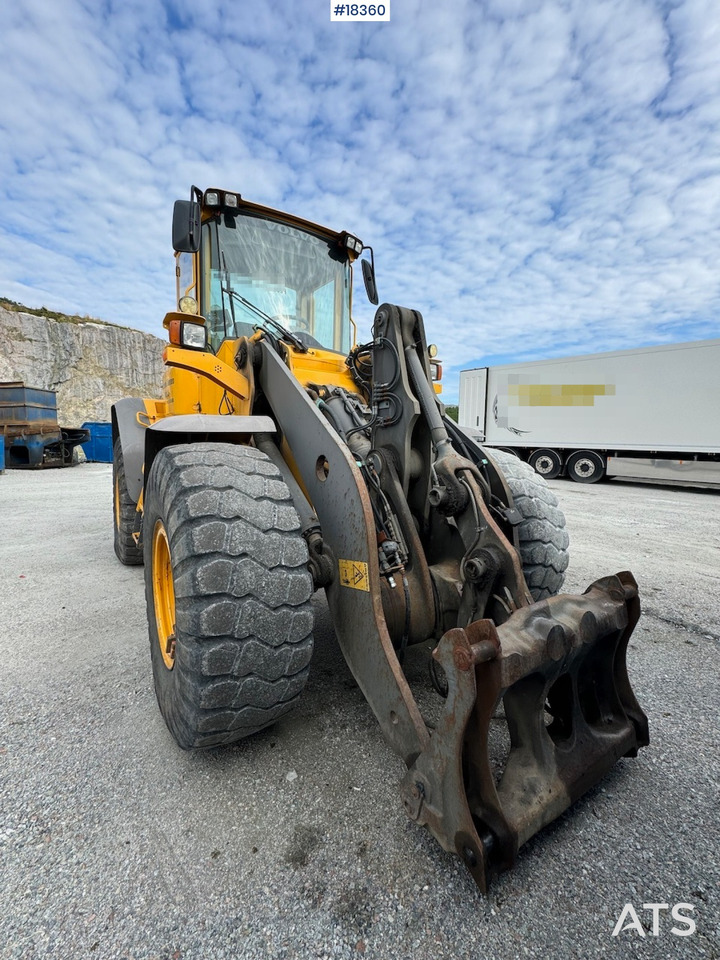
354 574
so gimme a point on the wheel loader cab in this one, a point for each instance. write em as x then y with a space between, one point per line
254 266
295 277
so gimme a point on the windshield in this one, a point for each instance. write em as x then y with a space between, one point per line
298 278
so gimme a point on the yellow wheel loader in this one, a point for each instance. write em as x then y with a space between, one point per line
285 457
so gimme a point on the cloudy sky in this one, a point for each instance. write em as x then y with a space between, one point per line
538 178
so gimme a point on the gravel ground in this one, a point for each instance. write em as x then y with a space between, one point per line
114 843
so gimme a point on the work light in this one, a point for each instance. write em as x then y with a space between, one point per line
353 244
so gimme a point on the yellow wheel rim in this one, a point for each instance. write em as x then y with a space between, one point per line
163 594
117 503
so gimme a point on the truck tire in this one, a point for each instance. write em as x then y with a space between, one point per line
543 538
546 462
124 514
585 466
227 590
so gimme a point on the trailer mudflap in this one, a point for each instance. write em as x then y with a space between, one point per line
557 671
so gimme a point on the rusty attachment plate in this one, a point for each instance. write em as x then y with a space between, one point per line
557 671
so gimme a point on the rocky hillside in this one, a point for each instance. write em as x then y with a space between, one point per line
89 363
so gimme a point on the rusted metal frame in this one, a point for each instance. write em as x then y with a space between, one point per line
482 458
434 789
422 600
342 504
579 642
30 428
497 564
500 489
622 682
491 562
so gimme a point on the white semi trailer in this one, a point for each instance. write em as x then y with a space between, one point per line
651 413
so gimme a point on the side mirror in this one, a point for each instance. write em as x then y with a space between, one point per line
186 226
368 271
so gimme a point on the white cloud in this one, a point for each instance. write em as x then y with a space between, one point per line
536 177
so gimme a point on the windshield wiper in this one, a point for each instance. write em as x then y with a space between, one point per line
249 305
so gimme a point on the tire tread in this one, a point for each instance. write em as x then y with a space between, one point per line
242 589
543 536
126 550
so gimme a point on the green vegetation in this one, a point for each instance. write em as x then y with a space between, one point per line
452 412
49 314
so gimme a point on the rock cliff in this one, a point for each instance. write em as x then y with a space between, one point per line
89 364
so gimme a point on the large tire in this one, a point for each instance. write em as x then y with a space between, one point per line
543 538
124 514
228 592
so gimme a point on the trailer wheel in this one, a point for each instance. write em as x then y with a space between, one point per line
227 590
543 538
124 514
585 466
546 462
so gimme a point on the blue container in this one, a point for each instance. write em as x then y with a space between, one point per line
23 406
99 447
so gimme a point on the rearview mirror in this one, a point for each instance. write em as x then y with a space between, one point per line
186 226
368 271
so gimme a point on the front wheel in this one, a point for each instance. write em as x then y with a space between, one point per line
228 592
543 538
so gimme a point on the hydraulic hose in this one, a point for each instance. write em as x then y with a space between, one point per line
428 403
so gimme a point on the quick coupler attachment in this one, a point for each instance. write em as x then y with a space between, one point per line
552 682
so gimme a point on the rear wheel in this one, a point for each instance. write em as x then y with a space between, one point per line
543 538
585 466
546 462
124 514
228 592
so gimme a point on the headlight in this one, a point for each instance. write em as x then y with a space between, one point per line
212 198
193 335
183 333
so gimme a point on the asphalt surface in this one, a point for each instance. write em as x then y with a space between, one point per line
114 843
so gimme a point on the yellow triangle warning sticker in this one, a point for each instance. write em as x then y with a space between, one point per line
354 574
